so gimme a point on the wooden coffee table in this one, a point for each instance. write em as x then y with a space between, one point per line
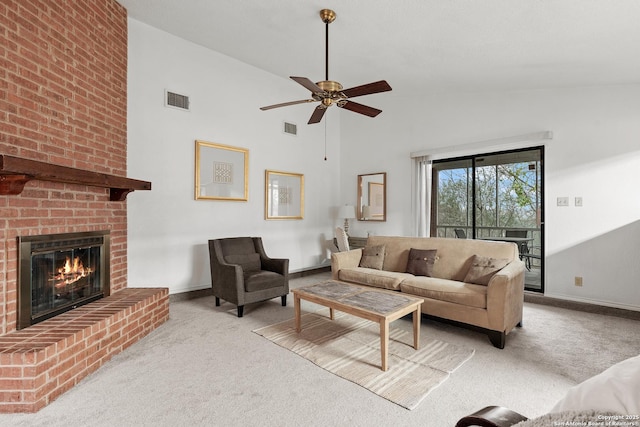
365 302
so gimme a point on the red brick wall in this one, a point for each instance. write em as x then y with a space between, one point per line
63 100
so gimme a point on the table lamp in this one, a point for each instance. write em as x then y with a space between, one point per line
347 212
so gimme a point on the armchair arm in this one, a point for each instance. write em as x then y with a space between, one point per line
227 280
505 297
277 265
348 259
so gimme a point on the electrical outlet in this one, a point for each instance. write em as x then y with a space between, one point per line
578 281
563 201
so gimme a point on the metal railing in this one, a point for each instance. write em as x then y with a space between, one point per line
488 232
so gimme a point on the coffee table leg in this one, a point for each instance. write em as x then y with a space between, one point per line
296 308
416 327
384 342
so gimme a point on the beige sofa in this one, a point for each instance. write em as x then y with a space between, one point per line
454 290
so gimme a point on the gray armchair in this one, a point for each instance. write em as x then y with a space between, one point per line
242 273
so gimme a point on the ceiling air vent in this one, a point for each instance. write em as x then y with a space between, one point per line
176 100
290 128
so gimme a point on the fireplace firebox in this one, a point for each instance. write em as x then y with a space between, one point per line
59 272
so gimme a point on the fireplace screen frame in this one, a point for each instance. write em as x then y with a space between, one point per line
28 246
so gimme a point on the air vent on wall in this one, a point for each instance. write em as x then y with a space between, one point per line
176 100
290 128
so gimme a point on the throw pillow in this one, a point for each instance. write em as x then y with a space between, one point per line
420 262
483 268
372 257
248 262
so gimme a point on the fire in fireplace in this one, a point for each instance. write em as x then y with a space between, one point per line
59 272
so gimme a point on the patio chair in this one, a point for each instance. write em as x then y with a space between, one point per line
460 233
523 247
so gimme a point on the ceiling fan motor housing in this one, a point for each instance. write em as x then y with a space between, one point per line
329 86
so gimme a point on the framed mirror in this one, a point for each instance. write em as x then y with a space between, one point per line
372 197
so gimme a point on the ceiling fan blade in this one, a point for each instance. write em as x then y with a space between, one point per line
375 87
285 104
317 115
308 84
359 108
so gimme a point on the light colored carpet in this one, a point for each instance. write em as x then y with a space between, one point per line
350 348
205 367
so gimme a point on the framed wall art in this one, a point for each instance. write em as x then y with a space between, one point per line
284 195
222 172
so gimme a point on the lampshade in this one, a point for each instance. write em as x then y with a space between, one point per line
347 212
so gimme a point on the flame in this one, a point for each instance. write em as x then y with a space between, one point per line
71 272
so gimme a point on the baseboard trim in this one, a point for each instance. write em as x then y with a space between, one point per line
188 295
309 272
536 298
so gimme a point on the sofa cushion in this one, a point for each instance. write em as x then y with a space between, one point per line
466 294
420 262
248 262
372 257
371 277
483 268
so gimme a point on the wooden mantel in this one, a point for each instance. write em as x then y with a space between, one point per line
15 172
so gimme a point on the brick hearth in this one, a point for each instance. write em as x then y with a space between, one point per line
39 363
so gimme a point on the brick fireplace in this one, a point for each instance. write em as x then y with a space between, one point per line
63 102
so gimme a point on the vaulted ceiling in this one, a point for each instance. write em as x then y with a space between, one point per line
418 45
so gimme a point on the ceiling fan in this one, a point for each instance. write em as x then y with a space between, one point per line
329 92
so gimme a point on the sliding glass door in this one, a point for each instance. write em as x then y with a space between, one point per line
495 196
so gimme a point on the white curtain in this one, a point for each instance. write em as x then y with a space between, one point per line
422 202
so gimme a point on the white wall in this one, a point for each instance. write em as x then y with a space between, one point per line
167 229
595 154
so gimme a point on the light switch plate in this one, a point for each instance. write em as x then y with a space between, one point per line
563 201
578 201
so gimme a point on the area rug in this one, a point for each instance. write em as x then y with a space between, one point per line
350 348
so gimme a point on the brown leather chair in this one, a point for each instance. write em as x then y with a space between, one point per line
242 273
491 416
